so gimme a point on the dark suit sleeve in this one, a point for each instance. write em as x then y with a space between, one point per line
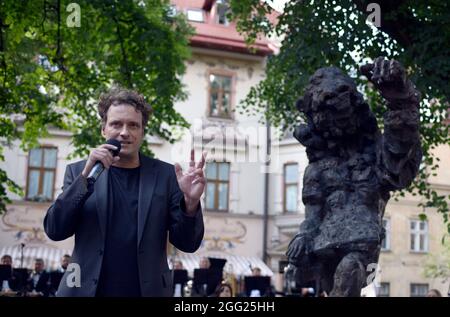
61 219
43 285
185 232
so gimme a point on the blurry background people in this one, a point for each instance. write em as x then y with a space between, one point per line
178 265
56 276
7 277
39 281
65 260
257 285
6 260
204 263
223 290
434 293
180 278
256 271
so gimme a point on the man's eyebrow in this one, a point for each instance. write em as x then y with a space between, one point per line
120 121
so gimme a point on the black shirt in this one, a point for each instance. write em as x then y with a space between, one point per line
120 274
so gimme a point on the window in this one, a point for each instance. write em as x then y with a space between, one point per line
41 173
195 15
217 186
386 243
222 10
418 290
290 180
220 96
419 236
383 290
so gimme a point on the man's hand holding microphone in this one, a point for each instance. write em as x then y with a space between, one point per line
100 158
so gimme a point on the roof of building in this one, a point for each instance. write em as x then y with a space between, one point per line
210 34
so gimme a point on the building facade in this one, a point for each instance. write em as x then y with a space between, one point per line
241 225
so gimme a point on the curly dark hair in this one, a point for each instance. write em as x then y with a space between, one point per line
118 95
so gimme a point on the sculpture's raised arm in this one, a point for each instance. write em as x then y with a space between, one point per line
400 152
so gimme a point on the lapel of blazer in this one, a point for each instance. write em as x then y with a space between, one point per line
147 182
101 193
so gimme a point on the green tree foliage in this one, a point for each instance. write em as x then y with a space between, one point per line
319 33
438 265
52 72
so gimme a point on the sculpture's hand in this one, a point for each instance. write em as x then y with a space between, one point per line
300 246
389 77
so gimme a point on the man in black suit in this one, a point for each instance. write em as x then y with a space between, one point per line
56 276
11 276
38 282
122 221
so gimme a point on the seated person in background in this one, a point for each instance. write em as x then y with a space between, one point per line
39 280
180 278
257 285
205 263
178 265
6 260
56 276
65 260
15 281
223 290
256 271
433 293
208 276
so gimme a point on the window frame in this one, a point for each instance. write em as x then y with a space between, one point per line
217 16
285 185
418 284
42 169
216 182
387 238
388 284
417 232
198 10
222 73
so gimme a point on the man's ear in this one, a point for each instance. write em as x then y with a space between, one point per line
103 130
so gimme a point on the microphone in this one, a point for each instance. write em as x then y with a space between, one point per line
98 166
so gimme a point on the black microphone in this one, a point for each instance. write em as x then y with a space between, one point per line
98 166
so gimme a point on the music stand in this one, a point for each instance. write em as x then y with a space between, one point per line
200 280
260 283
180 277
211 277
5 273
55 280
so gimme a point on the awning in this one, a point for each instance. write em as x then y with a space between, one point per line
51 255
238 265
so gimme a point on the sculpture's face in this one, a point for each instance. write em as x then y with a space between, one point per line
332 105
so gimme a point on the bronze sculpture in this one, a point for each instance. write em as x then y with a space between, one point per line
352 168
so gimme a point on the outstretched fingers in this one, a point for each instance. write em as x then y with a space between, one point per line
178 170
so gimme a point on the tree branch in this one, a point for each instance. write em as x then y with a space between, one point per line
124 53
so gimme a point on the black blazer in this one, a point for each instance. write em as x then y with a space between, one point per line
42 285
161 212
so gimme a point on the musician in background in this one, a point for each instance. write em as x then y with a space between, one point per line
256 271
56 276
178 265
13 280
39 280
204 263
